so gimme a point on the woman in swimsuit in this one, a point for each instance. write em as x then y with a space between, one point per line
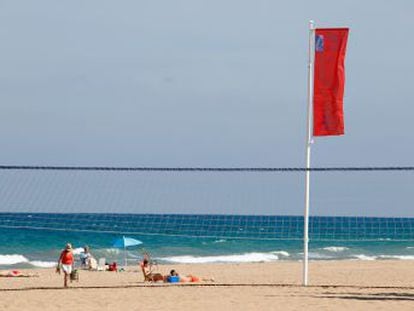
188 278
65 263
149 276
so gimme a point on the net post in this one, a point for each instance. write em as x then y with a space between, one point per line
308 151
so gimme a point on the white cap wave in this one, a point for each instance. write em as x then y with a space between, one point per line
12 259
235 258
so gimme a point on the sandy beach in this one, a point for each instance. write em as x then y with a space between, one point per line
334 285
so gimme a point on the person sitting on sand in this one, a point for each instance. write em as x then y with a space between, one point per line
86 258
174 277
65 263
149 276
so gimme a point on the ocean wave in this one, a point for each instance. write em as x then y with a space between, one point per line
335 249
220 241
282 253
77 251
313 255
12 259
410 247
114 251
399 257
130 254
214 242
43 264
402 257
365 257
236 258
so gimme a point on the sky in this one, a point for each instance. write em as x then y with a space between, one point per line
205 83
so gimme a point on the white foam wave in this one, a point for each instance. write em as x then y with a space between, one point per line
77 251
220 241
282 253
43 264
114 251
313 255
410 247
402 257
12 259
335 249
130 254
248 257
364 257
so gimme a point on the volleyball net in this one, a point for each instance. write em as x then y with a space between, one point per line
255 203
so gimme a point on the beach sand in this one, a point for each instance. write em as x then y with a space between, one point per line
334 285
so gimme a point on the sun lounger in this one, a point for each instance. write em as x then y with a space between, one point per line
93 264
101 264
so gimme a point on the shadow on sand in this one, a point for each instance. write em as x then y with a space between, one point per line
368 296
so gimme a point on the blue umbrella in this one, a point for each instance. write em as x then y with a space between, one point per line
124 242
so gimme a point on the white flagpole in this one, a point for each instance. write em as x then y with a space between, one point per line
308 150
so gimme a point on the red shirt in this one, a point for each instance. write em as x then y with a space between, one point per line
66 257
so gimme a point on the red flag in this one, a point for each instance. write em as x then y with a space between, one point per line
329 81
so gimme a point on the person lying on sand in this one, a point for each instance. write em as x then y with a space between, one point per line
17 274
174 277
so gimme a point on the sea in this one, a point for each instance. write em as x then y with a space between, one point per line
34 240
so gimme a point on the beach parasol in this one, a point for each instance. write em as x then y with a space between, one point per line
125 242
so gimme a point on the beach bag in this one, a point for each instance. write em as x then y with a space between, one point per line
173 279
74 275
113 267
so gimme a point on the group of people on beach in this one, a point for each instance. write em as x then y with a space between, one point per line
172 277
66 263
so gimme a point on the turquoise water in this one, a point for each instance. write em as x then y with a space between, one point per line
35 240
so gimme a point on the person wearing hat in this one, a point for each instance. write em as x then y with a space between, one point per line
65 263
